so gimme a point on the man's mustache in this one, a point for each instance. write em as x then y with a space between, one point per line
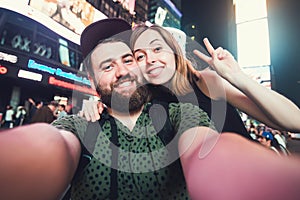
124 79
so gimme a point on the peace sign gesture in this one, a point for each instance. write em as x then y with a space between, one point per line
221 60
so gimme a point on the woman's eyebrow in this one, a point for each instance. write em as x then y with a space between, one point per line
152 41
134 51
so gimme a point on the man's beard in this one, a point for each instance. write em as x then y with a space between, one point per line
124 103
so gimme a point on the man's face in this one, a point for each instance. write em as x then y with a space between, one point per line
116 73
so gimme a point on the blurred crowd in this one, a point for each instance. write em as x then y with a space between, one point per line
270 138
35 111
47 112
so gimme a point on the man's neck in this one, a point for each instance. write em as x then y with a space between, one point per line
128 118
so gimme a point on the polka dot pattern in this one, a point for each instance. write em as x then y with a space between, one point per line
143 168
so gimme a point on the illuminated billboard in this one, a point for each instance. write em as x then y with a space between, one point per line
73 14
127 5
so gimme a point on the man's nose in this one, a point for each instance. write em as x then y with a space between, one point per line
122 70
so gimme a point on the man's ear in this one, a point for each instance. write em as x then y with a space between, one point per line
92 81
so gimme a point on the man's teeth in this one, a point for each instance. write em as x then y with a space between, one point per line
125 84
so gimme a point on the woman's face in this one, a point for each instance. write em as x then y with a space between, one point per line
155 58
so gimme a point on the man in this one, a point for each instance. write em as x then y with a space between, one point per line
45 113
32 108
129 158
61 111
267 139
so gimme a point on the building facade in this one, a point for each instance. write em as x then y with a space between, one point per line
38 63
161 12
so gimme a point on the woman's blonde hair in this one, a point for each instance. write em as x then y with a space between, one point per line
180 83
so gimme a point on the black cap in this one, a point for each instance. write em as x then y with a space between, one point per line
100 30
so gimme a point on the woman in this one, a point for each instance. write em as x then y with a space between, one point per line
163 63
182 84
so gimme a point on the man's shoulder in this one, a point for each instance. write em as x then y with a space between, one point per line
72 123
71 119
183 106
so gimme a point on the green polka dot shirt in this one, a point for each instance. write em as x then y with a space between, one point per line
147 167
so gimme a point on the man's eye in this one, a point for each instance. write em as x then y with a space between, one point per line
128 61
106 67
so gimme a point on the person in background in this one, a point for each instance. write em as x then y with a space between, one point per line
280 137
45 113
266 139
20 116
253 131
32 108
61 111
8 119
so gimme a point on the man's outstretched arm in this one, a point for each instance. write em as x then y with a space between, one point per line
227 166
37 162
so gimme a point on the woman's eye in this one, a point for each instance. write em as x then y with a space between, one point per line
139 57
157 49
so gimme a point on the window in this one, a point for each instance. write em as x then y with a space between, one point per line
253 48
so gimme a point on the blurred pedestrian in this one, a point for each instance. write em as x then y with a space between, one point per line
34 106
20 116
61 111
8 120
266 139
45 113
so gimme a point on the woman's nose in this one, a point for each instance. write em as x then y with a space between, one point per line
151 58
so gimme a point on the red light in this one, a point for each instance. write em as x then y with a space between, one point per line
53 81
3 70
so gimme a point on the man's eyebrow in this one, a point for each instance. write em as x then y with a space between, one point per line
105 61
111 59
126 55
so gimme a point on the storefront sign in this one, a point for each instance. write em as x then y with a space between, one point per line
30 75
23 44
8 57
57 71
71 86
